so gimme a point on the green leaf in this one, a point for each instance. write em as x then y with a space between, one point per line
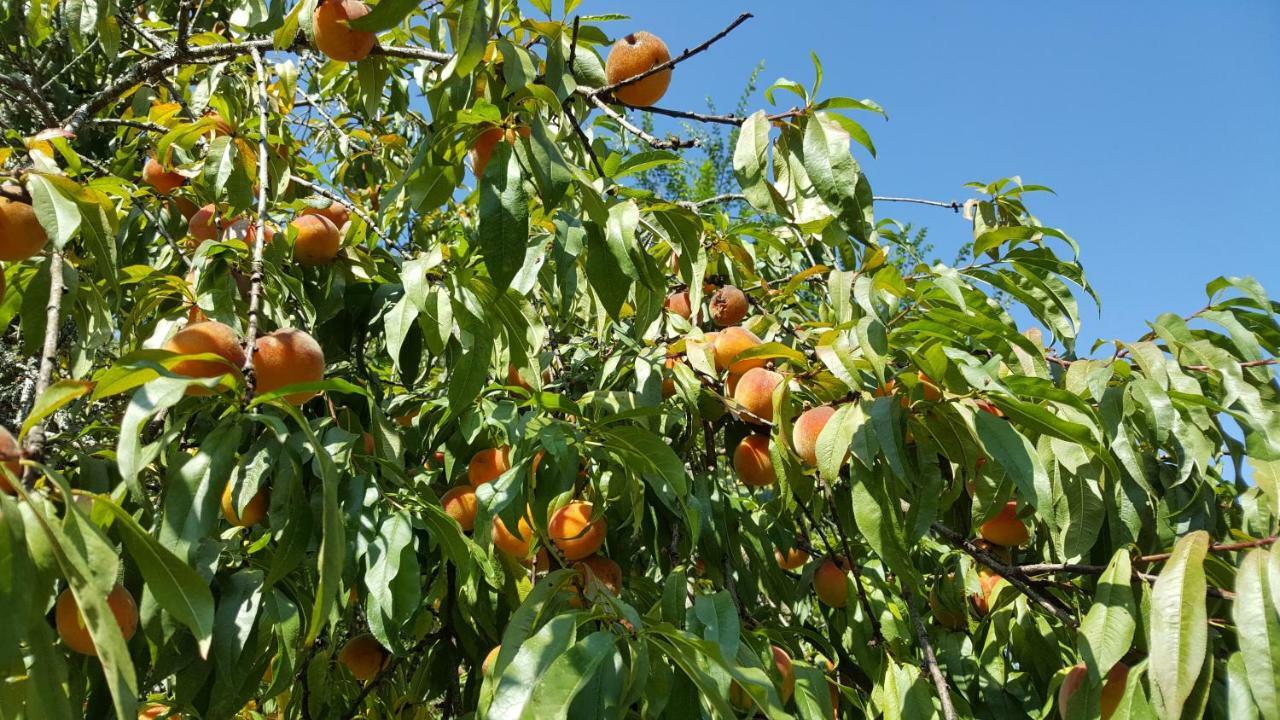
58 395
567 676
54 200
193 490
333 532
1107 631
471 37
836 176
1014 453
718 621
175 585
751 165
1178 624
504 216
534 657
1256 612
385 15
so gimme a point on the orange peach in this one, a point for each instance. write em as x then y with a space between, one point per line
317 241
794 559
678 303
460 504
829 582
206 337
73 631
364 656
575 531
287 357
752 462
254 512
805 432
10 459
728 306
1112 688
164 181
754 393
731 342
488 465
334 37
21 234
1005 529
632 55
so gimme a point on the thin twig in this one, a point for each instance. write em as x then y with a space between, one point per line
335 197
135 124
930 660
260 241
730 119
184 24
1010 573
72 63
36 438
155 222
952 205
673 143
48 117
688 53
568 111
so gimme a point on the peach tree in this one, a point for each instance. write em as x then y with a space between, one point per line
354 366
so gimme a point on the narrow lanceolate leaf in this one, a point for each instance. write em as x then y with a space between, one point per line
51 198
385 15
333 533
176 586
1256 612
1178 624
566 676
1107 630
58 395
504 216
524 673
1266 473
835 174
751 163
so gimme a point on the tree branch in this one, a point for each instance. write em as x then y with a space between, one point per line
568 111
1011 573
930 660
260 239
672 143
335 197
36 438
688 53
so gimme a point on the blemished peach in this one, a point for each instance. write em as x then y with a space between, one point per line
460 504
488 465
805 432
254 512
337 213
490 659
74 632
728 306
678 303
515 544
829 582
793 559
364 656
575 531
1005 529
209 336
484 145
334 37
752 462
287 357
754 392
606 571
21 234
1112 688
731 342
317 241
635 54
164 181
10 459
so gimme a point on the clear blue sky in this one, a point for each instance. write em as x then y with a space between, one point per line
1157 123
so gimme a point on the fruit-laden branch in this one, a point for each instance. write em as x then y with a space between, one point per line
930 660
354 708
1010 573
260 223
688 53
36 438
863 601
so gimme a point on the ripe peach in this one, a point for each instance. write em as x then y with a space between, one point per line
336 212
206 337
668 381
754 392
1005 529
332 35
164 181
784 674
21 234
515 544
364 657
254 512
606 571
370 445
10 459
794 559
317 241
804 434
728 306
731 342
948 617
987 580
575 532
752 462
488 465
635 54
287 357
829 582
482 150
205 223
73 631
1112 688
932 392
990 408
678 303
460 504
